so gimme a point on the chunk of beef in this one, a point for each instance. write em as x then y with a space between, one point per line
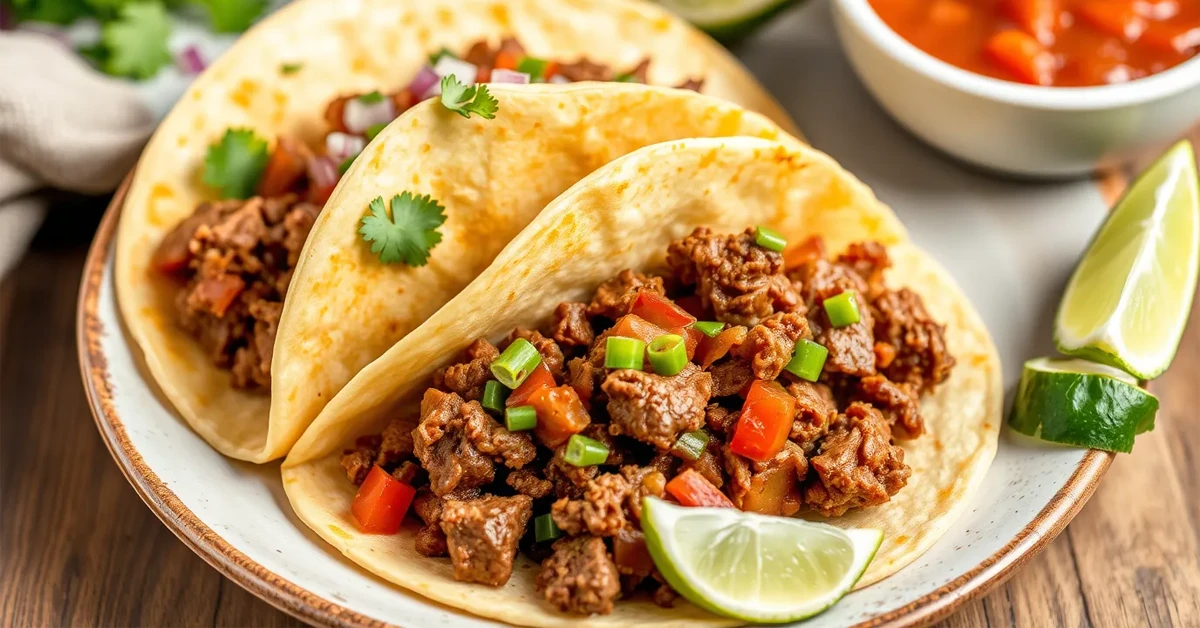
710 462
482 536
720 419
580 577
358 460
770 344
730 377
552 355
529 482
656 409
617 449
396 443
513 449
585 70
570 326
898 403
733 276
857 465
771 487
868 260
599 512
632 557
816 410
643 482
851 348
568 479
458 443
467 378
582 375
431 540
921 356
614 297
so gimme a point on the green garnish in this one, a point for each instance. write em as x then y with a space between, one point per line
233 16
544 528
668 354
494 394
624 353
441 54
691 445
842 309
808 360
516 363
290 68
708 328
374 130
345 165
236 163
136 42
468 100
769 239
371 98
520 418
409 234
534 67
625 77
585 452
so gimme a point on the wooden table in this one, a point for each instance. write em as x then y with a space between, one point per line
79 548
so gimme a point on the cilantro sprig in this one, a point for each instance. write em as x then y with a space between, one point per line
466 100
235 164
135 44
409 233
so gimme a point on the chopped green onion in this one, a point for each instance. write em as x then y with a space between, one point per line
345 165
544 528
769 239
668 354
624 353
585 452
625 78
437 56
708 328
516 363
374 130
371 98
807 360
842 309
291 68
494 394
534 67
691 445
520 418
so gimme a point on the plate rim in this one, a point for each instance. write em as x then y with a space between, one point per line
313 608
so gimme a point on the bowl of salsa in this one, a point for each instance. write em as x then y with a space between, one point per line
1037 88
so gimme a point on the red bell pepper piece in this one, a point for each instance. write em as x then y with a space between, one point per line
660 310
560 414
691 489
381 503
765 423
540 378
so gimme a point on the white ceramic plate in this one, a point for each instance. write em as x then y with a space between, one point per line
1011 247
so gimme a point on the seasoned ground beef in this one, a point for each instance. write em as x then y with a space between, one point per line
457 442
732 275
552 356
656 409
851 348
643 482
816 410
482 536
731 376
570 327
710 463
614 297
769 345
431 540
921 358
581 376
580 577
528 482
868 260
719 418
897 402
770 487
599 511
568 479
857 465
468 377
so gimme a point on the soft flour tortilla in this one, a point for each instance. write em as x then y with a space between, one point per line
623 216
493 176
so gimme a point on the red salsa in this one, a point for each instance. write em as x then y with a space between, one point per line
1072 43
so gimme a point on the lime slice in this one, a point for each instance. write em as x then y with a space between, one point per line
754 567
1129 299
1076 402
727 19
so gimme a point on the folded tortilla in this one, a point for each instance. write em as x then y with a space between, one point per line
345 308
624 216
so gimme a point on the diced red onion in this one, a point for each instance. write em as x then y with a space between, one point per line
423 82
339 145
559 79
461 70
509 76
190 62
359 116
322 171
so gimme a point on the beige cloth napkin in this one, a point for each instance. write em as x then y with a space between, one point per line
62 125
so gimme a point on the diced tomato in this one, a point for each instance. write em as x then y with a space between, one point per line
540 378
560 414
710 350
810 250
218 293
483 74
506 60
381 503
1036 17
1020 54
285 168
1113 17
691 489
402 100
172 254
949 14
335 113
551 70
634 326
660 310
765 422
318 194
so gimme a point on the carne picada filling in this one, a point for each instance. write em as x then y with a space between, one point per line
234 258
748 419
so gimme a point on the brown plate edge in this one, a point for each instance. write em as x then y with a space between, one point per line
310 607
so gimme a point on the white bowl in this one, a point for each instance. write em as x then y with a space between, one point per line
1045 132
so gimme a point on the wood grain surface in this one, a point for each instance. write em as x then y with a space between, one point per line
78 548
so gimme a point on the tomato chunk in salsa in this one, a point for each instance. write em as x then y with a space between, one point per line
1072 43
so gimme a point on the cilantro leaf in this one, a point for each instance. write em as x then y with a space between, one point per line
468 100
375 129
437 56
233 16
409 234
372 98
290 68
56 11
236 163
137 41
534 67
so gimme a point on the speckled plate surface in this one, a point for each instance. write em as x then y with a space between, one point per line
1010 246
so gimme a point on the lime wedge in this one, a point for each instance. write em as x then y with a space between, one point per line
726 19
1081 403
1129 299
754 567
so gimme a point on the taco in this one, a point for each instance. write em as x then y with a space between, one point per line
655 310
214 225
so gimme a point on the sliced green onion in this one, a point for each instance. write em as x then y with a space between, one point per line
708 328
372 98
345 165
691 445
624 353
544 528
534 67
494 394
374 130
585 452
437 56
520 418
516 363
807 360
842 309
625 78
769 239
668 354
